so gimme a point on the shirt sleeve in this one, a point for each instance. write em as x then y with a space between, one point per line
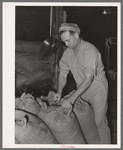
90 60
64 64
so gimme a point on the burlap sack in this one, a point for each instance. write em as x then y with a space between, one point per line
20 79
63 125
28 46
28 103
32 76
85 116
31 130
30 62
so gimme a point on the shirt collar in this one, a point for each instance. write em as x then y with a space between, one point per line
77 49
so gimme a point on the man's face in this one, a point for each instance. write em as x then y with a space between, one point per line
69 39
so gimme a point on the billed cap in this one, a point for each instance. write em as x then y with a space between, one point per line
69 27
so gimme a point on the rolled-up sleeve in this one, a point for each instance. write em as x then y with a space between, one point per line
90 61
64 64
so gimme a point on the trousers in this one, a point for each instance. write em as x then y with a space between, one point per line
96 95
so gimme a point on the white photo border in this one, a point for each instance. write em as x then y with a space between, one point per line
8 74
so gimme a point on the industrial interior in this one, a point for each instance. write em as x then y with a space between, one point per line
39 48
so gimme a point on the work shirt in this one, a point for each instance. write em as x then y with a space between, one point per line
88 59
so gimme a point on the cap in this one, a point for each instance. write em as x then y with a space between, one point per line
69 26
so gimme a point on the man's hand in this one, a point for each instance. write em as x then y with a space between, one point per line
57 97
67 103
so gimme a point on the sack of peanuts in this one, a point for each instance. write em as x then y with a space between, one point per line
29 129
28 103
86 118
63 124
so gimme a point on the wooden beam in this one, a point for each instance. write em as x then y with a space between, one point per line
57 20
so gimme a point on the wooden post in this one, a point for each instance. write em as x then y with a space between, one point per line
57 20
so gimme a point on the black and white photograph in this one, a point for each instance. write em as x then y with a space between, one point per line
63 65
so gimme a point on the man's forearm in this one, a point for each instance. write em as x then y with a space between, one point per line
61 83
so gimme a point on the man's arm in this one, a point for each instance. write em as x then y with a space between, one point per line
82 88
62 80
84 85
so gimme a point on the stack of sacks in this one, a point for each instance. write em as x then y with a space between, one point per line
27 66
68 126
29 129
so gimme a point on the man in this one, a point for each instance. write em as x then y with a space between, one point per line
84 61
